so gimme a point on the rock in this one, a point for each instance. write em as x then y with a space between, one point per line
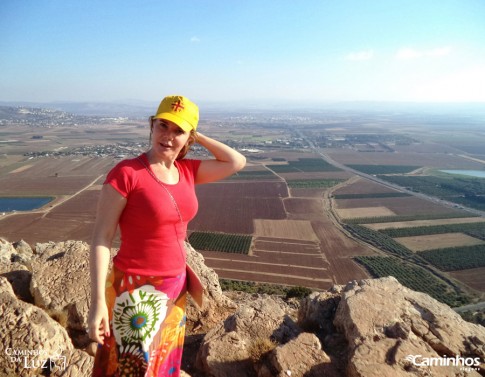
77 364
386 324
216 306
29 336
227 348
23 252
61 281
19 276
6 252
317 312
298 356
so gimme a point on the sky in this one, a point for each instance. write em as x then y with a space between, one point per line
308 51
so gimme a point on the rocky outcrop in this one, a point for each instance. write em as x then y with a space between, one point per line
216 305
386 324
31 339
228 347
373 327
60 280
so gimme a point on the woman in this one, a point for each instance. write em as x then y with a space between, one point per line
138 315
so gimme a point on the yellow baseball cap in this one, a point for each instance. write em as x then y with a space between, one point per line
179 110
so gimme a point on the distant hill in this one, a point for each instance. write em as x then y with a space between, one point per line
101 109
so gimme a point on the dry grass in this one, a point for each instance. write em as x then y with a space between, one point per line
260 347
59 316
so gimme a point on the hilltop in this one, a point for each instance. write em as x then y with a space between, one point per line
364 328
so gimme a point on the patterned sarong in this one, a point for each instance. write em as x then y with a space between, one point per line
147 324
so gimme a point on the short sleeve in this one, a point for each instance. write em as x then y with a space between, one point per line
121 179
193 166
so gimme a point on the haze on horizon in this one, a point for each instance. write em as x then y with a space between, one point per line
252 51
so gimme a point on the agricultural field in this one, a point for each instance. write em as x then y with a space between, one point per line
399 206
425 223
471 277
438 241
414 277
223 242
456 258
303 219
461 190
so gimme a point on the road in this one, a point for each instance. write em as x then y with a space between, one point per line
390 185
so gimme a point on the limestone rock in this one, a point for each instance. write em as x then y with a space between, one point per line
77 364
216 306
23 252
299 356
60 280
386 323
19 276
6 252
226 349
29 336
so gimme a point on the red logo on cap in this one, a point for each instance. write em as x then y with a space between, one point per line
177 106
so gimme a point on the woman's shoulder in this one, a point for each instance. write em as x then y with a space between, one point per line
128 165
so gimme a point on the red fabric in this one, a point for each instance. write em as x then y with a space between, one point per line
152 236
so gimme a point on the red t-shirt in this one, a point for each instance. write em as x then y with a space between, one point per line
152 235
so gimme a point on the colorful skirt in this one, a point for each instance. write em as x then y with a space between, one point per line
147 326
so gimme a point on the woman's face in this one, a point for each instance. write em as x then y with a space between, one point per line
168 139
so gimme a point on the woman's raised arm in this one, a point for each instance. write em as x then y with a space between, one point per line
227 161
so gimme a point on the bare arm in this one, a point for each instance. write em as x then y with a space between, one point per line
227 161
111 204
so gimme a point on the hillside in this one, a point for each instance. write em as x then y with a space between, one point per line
364 328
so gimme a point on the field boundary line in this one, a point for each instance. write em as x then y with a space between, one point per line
48 210
265 263
274 274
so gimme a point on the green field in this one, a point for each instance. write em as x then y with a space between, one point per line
313 183
466 191
384 169
224 242
476 230
372 195
379 240
413 277
390 219
456 258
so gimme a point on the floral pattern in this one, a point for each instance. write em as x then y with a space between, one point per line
138 315
147 320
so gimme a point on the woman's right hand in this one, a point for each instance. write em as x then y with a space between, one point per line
98 322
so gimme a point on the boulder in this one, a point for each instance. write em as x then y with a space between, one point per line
6 252
228 349
387 326
60 280
297 357
23 252
30 338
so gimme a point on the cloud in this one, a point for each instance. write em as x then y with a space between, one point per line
464 85
407 53
194 39
360 55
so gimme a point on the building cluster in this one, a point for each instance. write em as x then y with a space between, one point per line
40 117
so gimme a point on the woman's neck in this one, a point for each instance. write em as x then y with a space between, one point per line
154 160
